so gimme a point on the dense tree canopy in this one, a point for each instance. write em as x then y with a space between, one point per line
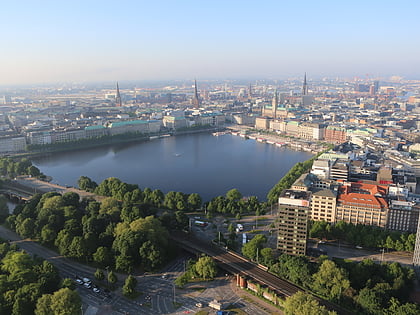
304 304
205 267
24 281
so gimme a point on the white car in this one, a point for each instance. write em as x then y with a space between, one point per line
86 280
96 290
87 285
79 281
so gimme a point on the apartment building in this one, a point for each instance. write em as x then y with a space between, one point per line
294 207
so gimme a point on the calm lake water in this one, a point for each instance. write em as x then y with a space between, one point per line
200 163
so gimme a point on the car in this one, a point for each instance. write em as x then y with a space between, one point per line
199 304
359 247
164 276
96 290
79 281
87 285
86 280
321 242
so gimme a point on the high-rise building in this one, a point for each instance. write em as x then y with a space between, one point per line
416 254
294 208
118 102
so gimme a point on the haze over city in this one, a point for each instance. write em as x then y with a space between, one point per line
49 41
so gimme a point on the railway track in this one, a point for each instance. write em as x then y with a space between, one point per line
236 264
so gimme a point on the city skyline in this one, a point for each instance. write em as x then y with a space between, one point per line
137 40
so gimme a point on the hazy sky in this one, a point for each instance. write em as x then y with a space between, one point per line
89 40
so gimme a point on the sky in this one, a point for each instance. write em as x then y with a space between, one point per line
89 40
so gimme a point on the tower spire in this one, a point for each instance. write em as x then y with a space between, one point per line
275 103
118 97
196 100
305 86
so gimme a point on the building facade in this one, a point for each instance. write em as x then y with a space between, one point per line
294 207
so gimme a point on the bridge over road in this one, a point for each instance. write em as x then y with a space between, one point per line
239 265
26 187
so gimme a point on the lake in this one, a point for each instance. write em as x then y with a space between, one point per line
202 163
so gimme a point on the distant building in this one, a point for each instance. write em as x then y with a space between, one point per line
335 134
12 144
294 207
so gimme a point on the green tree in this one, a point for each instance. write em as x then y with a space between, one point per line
65 302
99 275
78 248
194 201
396 308
124 263
129 287
267 256
302 303
330 281
233 195
251 248
103 256
373 300
33 171
112 277
205 267
43 305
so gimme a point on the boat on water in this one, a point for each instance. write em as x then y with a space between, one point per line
153 137
280 144
220 133
164 136
261 140
270 142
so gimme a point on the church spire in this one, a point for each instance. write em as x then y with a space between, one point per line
305 86
118 97
196 99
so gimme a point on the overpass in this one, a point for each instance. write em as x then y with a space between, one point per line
245 269
25 187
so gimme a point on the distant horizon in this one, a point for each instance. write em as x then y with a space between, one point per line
89 41
122 82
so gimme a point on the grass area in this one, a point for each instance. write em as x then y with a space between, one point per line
202 312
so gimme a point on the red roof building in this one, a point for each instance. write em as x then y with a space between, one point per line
361 203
